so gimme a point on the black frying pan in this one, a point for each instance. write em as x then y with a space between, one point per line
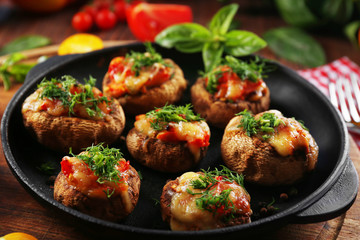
325 194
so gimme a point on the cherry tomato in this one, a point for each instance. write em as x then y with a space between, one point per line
90 9
82 21
105 19
119 10
146 20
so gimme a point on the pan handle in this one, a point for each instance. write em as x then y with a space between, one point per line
336 201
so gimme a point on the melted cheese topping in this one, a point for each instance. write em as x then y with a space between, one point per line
196 134
81 178
56 108
289 138
185 215
124 80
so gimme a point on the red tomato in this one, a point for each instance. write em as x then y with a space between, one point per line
66 167
90 9
105 19
146 20
82 21
119 10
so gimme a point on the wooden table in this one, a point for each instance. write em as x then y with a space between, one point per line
20 212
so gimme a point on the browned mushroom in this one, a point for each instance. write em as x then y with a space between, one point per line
281 155
99 193
59 119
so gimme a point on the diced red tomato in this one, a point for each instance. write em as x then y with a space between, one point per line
123 166
146 20
66 167
168 136
203 142
161 76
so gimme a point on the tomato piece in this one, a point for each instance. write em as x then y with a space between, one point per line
90 9
161 76
146 20
82 21
123 166
119 10
105 19
66 167
201 142
168 136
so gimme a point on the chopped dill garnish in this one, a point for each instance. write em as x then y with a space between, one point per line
145 59
160 117
61 89
208 199
302 124
265 124
252 71
102 161
47 168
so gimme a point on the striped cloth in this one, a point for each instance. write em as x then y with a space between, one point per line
321 76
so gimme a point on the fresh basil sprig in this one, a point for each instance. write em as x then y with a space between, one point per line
295 45
24 43
212 41
11 69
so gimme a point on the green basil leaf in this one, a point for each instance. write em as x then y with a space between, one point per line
222 20
187 37
20 71
241 43
295 45
296 13
24 43
338 11
351 31
212 53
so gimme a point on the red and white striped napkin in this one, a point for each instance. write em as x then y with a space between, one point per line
321 77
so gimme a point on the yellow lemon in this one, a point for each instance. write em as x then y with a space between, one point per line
80 43
17 236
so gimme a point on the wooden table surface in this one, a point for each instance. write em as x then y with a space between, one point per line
20 212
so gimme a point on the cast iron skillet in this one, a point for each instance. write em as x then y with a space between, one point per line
326 193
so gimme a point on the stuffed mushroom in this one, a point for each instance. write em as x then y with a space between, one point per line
169 139
63 114
229 88
205 200
98 182
142 81
268 148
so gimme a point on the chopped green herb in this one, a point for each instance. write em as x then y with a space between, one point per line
60 89
102 161
252 71
265 124
302 124
211 201
141 60
47 168
11 69
170 113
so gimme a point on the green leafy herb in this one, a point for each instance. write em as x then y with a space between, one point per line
47 168
252 71
11 69
302 124
212 42
170 113
60 89
295 45
102 161
141 60
297 13
24 43
210 201
266 123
